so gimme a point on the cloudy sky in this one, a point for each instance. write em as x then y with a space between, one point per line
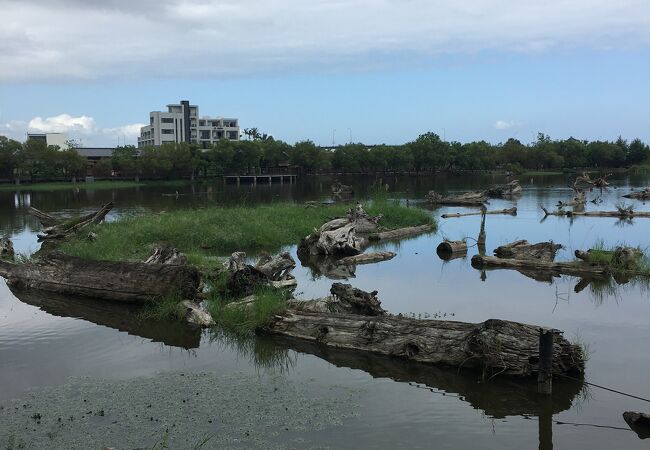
370 70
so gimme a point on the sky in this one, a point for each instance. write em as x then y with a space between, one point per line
333 71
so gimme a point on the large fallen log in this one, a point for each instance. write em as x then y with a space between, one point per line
400 233
46 220
574 268
623 213
107 280
507 190
522 249
510 211
643 194
71 226
466 199
495 347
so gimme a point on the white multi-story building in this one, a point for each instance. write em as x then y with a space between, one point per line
181 123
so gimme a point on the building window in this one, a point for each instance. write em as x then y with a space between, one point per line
167 120
232 135
165 131
205 135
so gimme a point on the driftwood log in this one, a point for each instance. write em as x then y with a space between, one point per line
107 280
448 250
510 211
495 347
621 213
507 190
366 258
544 251
400 233
466 199
643 194
46 219
268 271
63 229
6 249
622 258
574 268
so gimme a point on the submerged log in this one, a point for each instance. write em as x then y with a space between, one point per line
495 347
643 194
521 249
366 258
107 280
6 249
466 199
507 190
69 227
511 211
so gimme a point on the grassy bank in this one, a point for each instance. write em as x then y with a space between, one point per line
64 186
201 233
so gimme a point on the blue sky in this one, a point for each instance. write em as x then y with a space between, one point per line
589 80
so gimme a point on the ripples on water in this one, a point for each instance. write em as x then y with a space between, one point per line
46 340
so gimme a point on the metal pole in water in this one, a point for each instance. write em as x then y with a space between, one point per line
545 373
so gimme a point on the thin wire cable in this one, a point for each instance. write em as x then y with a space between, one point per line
606 388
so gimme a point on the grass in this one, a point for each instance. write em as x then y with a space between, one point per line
245 319
534 173
165 308
60 186
203 233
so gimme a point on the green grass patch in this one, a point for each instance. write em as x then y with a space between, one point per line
165 308
63 186
246 318
203 233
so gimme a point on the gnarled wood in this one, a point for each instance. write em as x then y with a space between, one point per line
521 249
496 347
511 211
165 254
366 258
68 227
274 271
508 190
6 249
46 220
107 280
465 199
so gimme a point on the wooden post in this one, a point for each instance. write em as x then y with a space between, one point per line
545 372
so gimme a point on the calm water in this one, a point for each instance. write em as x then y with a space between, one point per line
44 340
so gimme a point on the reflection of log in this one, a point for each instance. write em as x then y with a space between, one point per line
367 258
523 250
575 268
122 317
326 266
68 227
643 194
494 346
107 280
638 422
466 199
498 398
511 211
621 214
400 233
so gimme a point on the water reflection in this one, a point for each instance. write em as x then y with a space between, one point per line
122 317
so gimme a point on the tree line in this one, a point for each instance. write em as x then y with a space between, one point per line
261 153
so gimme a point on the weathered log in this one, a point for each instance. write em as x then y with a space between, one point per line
496 347
336 237
65 229
356 301
107 280
46 220
449 250
164 254
621 213
638 422
366 258
269 271
578 200
521 249
643 194
195 315
507 190
400 233
278 267
575 268
600 183
6 249
237 261
466 199
363 222
626 258
511 211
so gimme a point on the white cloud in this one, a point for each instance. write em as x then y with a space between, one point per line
63 123
74 39
505 124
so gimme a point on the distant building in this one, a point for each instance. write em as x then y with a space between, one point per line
181 123
60 139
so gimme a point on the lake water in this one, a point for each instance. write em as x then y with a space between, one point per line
59 356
